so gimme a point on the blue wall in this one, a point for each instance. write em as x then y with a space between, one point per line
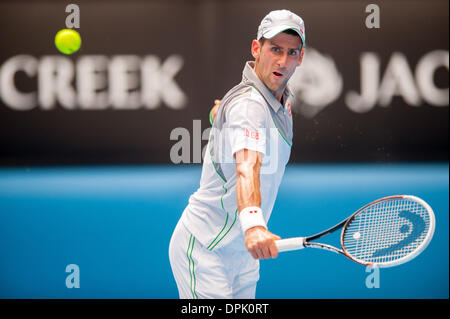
115 223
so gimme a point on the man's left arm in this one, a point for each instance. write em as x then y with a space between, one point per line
213 112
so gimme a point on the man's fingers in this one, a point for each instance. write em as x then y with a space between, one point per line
266 249
257 253
265 252
273 249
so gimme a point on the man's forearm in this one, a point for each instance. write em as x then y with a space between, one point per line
248 185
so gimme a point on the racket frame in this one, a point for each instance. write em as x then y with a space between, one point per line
305 241
401 260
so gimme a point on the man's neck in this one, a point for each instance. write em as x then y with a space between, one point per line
277 94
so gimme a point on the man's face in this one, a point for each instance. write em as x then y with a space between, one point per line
276 60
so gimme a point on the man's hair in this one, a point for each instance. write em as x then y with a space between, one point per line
288 31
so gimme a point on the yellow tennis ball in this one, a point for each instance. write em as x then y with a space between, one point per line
68 41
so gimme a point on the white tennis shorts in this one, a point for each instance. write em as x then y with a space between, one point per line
220 274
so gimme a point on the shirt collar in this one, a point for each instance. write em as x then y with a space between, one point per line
249 76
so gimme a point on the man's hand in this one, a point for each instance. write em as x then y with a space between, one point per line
213 111
260 243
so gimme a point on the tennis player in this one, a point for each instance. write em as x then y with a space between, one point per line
215 249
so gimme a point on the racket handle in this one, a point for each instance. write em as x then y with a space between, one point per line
294 243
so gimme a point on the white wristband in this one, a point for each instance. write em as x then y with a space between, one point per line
251 217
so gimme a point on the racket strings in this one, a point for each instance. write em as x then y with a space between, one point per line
386 231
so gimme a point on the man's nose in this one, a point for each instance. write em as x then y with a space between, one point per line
282 60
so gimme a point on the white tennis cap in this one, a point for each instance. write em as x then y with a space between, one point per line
278 21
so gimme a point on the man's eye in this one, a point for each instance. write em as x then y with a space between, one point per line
293 52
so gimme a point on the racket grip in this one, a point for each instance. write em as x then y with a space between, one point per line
294 243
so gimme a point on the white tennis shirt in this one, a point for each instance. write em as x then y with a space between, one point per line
249 117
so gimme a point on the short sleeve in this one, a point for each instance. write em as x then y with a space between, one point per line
246 125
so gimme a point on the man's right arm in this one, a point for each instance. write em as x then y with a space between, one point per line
259 241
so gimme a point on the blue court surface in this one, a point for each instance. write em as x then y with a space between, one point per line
114 223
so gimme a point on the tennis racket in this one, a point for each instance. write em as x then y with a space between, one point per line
385 233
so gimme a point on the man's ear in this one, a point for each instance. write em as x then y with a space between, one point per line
256 49
300 59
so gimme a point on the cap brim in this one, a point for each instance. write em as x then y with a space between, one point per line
275 31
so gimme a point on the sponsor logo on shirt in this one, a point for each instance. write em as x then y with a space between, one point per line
251 134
